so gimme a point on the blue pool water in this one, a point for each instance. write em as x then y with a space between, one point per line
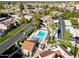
40 35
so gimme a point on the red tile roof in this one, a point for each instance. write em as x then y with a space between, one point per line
46 53
28 45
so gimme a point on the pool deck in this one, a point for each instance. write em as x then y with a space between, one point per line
35 33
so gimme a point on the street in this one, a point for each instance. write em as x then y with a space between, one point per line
13 39
61 27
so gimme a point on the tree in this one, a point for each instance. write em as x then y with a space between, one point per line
22 20
46 11
74 9
36 20
29 6
1 6
21 6
67 35
74 22
49 37
53 27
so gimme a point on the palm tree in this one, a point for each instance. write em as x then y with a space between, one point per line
36 20
21 7
53 27
67 35
9 7
74 9
49 37
2 6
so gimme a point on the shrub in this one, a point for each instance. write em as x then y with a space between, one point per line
74 23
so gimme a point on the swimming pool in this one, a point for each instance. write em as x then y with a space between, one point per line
40 35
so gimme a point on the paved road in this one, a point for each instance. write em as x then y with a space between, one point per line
61 27
13 39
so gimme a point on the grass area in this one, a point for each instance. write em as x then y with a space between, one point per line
68 44
11 33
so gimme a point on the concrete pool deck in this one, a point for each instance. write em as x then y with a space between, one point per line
36 33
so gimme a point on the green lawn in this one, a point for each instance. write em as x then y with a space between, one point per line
68 44
11 33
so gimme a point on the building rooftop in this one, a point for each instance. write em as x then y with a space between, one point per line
46 53
28 45
51 54
46 18
2 26
9 21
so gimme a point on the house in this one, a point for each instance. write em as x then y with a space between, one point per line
46 20
35 10
28 47
27 17
7 25
77 6
3 28
11 23
46 54
50 54
16 16
64 52
27 11
57 51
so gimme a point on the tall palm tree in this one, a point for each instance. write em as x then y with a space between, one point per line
21 6
53 27
36 20
49 37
